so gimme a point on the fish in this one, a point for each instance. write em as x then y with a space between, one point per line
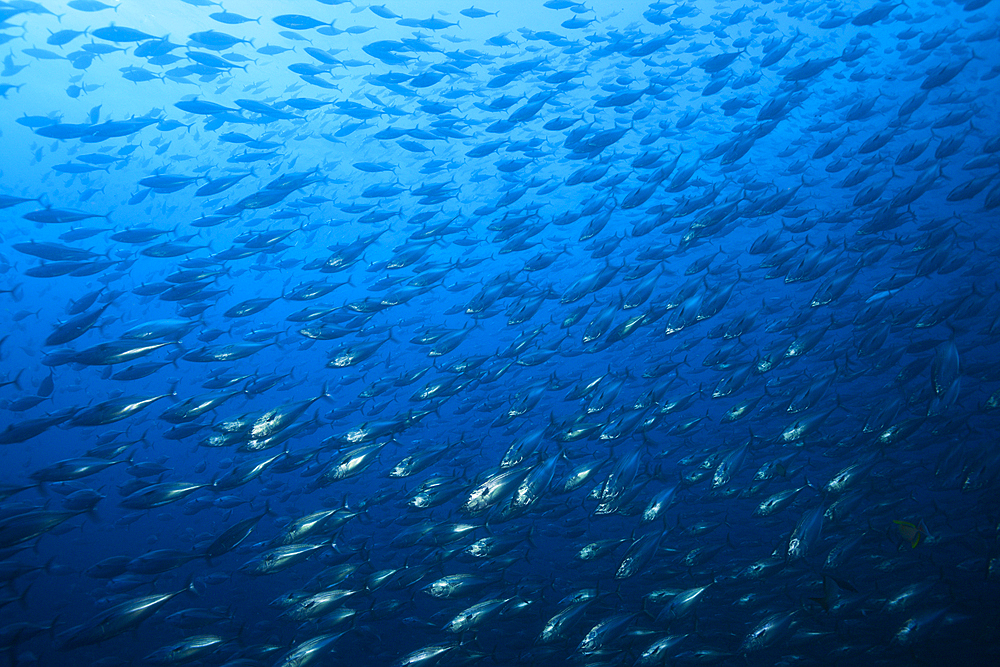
541 334
28 525
309 650
911 532
770 631
118 619
114 410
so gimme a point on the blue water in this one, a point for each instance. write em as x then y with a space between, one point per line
671 328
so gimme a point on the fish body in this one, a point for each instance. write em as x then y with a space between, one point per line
117 620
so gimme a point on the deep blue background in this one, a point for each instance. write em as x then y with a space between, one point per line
933 271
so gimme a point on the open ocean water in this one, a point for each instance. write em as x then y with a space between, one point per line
530 333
